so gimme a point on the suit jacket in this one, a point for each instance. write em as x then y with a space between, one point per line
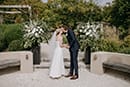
73 42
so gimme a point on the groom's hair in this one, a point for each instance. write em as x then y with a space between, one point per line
65 27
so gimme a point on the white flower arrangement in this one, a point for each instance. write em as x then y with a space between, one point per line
88 32
35 33
88 29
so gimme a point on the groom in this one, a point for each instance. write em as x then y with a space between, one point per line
73 48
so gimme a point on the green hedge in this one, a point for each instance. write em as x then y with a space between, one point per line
112 46
15 45
2 40
8 33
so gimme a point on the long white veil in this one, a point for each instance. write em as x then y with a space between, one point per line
52 46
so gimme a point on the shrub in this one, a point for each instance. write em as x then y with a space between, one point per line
15 45
8 33
127 41
2 38
13 32
2 42
125 50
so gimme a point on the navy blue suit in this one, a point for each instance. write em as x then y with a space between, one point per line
74 47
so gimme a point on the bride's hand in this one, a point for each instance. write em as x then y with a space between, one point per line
66 46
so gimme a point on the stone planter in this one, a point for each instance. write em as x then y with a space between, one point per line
36 55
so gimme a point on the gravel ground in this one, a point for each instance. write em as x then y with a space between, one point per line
39 78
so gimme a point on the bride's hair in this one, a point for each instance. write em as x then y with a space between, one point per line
57 33
65 27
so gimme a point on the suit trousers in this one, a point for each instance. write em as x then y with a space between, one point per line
74 62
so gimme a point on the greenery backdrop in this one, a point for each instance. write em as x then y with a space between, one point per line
69 12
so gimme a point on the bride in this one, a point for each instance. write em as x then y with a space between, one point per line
57 68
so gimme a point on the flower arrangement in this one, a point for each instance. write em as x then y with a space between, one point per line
89 33
35 32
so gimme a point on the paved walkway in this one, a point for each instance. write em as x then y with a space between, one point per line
40 79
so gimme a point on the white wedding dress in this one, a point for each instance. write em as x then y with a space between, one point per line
57 68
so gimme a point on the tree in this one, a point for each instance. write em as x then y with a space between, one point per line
120 15
56 12
70 12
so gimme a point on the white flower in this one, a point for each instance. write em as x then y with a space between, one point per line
85 30
87 33
82 26
41 29
39 32
38 27
80 30
33 31
90 31
26 26
94 30
36 34
91 35
29 31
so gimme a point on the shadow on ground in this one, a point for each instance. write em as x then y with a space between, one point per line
9 70
118 74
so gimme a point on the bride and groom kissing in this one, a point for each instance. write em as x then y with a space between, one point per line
57 68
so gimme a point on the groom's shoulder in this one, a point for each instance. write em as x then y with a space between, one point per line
70 30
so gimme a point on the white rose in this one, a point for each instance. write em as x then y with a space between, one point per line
88 26
87 33
80 30
39 32
94 30
36 34
41 29
90 31
26 26
85 30
82 26
29 31
38 27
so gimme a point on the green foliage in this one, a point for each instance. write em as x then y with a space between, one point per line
106 13
2 40
13 32
56 12
125 50
120 15
127 41
8 33
16 45
70 12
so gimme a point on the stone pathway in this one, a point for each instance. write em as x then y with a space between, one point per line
40 78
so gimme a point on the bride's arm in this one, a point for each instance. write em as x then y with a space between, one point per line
61 42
